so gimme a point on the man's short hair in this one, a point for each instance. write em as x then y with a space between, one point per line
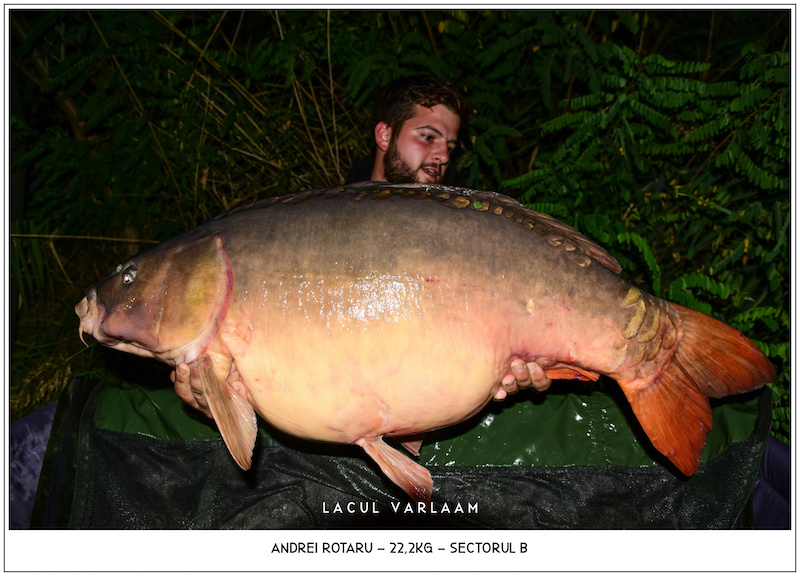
397 101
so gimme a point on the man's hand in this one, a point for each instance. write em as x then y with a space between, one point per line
522 376
189 388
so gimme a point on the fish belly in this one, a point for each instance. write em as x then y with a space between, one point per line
359 376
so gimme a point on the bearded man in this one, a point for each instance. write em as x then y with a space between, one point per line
416 124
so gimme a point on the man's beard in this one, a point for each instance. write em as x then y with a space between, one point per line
395 169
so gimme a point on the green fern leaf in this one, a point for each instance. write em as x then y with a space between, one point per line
706 131
566 120
751 100
38 29
528 179
557 210
544 79
102 110
612 81
519 41
627 19
654 118
699 280
748 317
588 101
675 100
647 253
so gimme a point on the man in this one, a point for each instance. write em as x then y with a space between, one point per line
416 125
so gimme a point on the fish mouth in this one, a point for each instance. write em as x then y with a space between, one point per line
91 317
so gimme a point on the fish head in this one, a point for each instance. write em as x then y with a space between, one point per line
166 303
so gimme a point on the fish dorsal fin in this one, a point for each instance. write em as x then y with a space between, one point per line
582 244
233 414
555 232
414 479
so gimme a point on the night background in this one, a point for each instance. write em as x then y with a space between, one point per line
663 135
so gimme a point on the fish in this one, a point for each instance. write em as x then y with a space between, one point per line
358 313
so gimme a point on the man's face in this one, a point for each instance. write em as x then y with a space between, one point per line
420 151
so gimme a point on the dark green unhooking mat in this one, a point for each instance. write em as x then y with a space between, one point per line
574 457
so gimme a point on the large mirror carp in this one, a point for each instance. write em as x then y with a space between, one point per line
375 310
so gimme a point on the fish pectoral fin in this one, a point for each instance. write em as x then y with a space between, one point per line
414 479
565 372
412 443
233 414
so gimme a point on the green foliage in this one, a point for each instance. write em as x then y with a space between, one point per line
29 262
694 177
665 140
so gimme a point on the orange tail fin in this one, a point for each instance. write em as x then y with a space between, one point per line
711 360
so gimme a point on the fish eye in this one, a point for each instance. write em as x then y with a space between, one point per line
129 275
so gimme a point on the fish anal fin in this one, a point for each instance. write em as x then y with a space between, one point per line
233 414
415 480
412 443
565 372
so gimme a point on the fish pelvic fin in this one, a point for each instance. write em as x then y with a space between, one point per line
711 360
412 443
233 414
415 480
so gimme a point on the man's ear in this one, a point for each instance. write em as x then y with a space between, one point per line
383 135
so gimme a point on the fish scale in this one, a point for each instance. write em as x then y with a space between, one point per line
359 312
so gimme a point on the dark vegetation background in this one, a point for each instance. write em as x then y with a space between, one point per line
663 135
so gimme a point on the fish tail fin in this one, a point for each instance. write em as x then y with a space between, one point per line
720 359
711 360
